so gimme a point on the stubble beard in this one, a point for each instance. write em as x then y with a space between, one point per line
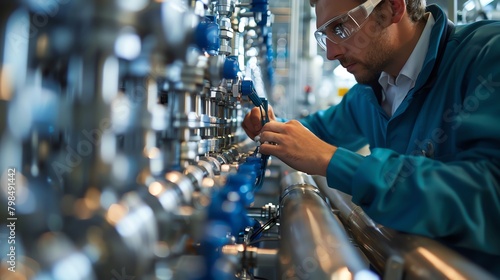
374 61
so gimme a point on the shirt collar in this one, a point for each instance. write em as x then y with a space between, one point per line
414 64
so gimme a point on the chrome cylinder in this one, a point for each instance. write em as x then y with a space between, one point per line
314 244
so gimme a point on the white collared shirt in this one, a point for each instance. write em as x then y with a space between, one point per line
395 90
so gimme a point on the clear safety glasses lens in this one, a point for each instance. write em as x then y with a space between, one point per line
340 28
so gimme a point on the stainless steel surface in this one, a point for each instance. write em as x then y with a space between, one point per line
314 243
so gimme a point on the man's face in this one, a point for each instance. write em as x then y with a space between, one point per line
365 53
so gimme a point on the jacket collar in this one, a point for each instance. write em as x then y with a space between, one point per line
437 45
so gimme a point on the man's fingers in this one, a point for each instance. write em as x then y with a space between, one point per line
271 148
274 126
255 119
269 137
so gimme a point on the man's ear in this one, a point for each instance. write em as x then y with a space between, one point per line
398 10
391 11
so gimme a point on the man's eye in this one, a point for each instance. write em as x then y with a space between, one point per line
340 31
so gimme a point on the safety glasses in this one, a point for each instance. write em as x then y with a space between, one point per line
343 26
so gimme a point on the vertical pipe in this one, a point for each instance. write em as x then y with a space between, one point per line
294 66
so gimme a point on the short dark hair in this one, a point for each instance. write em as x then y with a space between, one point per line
414 8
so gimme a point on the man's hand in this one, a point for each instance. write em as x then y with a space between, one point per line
252 124
296 146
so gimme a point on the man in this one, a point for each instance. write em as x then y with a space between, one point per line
427 102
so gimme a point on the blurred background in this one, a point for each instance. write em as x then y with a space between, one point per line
122 154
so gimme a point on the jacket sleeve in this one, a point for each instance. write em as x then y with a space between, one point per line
336 126
457 201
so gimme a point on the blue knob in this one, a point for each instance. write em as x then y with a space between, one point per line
207 36
231 68
247 87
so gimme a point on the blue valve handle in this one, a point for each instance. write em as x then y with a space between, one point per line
247 89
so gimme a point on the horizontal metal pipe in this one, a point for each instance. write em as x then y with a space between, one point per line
395 254
249 257
314 244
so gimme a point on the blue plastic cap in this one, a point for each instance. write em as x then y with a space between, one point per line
231 68
207 37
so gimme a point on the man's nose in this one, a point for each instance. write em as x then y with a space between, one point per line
334 51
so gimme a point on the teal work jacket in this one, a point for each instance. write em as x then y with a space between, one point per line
434 167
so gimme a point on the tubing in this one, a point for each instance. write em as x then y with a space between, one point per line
314 244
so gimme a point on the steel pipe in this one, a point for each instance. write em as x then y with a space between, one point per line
314 244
